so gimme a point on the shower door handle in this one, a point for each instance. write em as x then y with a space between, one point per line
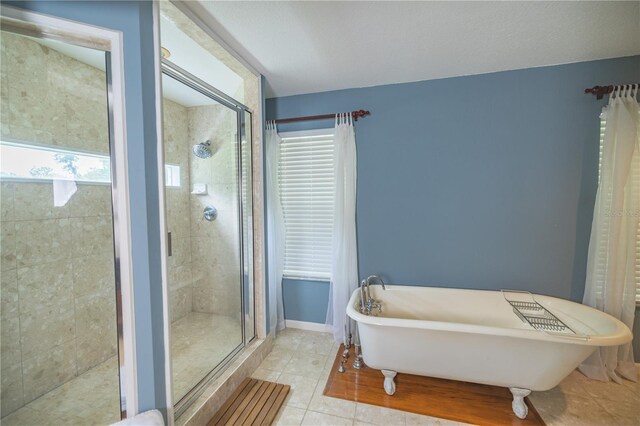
169 244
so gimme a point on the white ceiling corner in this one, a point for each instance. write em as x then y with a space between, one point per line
314 46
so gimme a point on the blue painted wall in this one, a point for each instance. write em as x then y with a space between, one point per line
484 181
305 300
135 20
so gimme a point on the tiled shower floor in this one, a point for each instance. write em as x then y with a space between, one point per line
199 342
303 359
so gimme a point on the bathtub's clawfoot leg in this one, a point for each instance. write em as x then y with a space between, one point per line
518 405
389 384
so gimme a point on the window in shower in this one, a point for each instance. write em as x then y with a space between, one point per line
26 161
172 175
22 160
210 267
59 354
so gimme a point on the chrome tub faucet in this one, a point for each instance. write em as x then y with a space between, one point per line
367 303
375 278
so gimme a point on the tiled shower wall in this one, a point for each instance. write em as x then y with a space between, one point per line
203 269
58 292
179 267
215 245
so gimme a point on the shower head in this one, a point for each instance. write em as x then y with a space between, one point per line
202 150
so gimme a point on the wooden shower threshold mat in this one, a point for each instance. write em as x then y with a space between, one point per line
447 399
255 402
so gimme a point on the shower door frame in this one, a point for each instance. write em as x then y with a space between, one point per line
37 25
242 111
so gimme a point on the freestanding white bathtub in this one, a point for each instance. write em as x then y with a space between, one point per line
475 336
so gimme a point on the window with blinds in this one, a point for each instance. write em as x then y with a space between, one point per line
636 177
306 190
247 200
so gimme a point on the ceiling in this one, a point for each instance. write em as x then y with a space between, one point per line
305 47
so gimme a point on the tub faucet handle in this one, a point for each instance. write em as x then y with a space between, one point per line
374 305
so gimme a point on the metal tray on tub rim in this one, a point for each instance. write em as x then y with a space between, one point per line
537 316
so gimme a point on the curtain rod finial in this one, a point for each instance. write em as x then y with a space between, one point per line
359 113
599 91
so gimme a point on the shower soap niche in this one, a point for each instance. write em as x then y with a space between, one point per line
199 189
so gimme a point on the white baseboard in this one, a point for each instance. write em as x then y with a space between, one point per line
304 325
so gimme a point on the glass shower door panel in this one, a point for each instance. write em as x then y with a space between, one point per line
59 335
203 218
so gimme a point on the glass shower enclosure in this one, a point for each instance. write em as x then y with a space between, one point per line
58 240
207 150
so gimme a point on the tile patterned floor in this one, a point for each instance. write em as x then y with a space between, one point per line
580 401
303 360
199 342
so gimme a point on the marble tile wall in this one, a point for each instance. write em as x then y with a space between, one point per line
215 245
177 151
58 315
204 269
253 99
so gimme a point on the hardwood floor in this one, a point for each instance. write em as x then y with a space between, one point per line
255 403
447 399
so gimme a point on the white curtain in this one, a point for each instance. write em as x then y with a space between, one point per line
611 277
275 229
344 266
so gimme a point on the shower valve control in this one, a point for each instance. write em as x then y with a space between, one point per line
210 213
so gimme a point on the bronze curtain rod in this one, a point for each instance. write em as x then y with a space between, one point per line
355 114
600 91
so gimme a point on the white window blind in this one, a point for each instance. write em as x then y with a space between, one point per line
247 200
306 190
636 178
